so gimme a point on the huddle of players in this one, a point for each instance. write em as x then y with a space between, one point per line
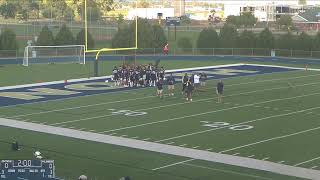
137 76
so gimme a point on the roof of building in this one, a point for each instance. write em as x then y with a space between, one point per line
311 15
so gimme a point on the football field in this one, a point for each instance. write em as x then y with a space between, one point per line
268 114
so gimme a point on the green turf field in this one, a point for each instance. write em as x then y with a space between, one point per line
280 112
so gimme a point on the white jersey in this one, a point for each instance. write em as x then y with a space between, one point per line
196 79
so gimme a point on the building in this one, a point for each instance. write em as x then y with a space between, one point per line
179 7
308 20
150 13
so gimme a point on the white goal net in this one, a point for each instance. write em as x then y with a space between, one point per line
54 54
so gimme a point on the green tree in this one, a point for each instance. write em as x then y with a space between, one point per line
143 4
304 42
64 36
8 40
125 37
46 37
247 39
247 19
159 38
285 21
316 42
81 39
286 41
208 38
185 43
265 39
8 10
228 36
302 2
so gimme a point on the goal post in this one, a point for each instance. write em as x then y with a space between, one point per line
54 54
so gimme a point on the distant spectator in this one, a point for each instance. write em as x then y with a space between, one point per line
166 49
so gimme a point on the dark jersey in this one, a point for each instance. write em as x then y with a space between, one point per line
159 85
185 79
170 80
220 87
203 77
189 87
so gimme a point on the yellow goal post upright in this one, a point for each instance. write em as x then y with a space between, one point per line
99 51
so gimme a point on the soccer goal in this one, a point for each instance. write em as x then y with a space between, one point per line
54 54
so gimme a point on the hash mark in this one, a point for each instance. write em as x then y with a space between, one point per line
170 143
235 154
266 158
314 167
112 134
281 162
195 147
146 139
209 149
182 145
250 156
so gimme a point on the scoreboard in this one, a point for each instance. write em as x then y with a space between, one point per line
27 169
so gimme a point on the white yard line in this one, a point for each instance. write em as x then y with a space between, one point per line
181 162
134 99
272 139
304 162
227 171
245 122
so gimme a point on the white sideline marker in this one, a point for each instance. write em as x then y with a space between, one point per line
281 162
195 147
313 167
170 143
136 137
112 134
182 145
146 139
250 156
209 149
123 135
266 158
235 154
81 129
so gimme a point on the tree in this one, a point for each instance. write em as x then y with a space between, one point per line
286 41
247 39
143 4
159 38
64 36
228 36
285 21
208 38
8 40
8 10
185 43
148 36
265 39
316 42
247 19
80 39
302 2
46 37
185 20
304 42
